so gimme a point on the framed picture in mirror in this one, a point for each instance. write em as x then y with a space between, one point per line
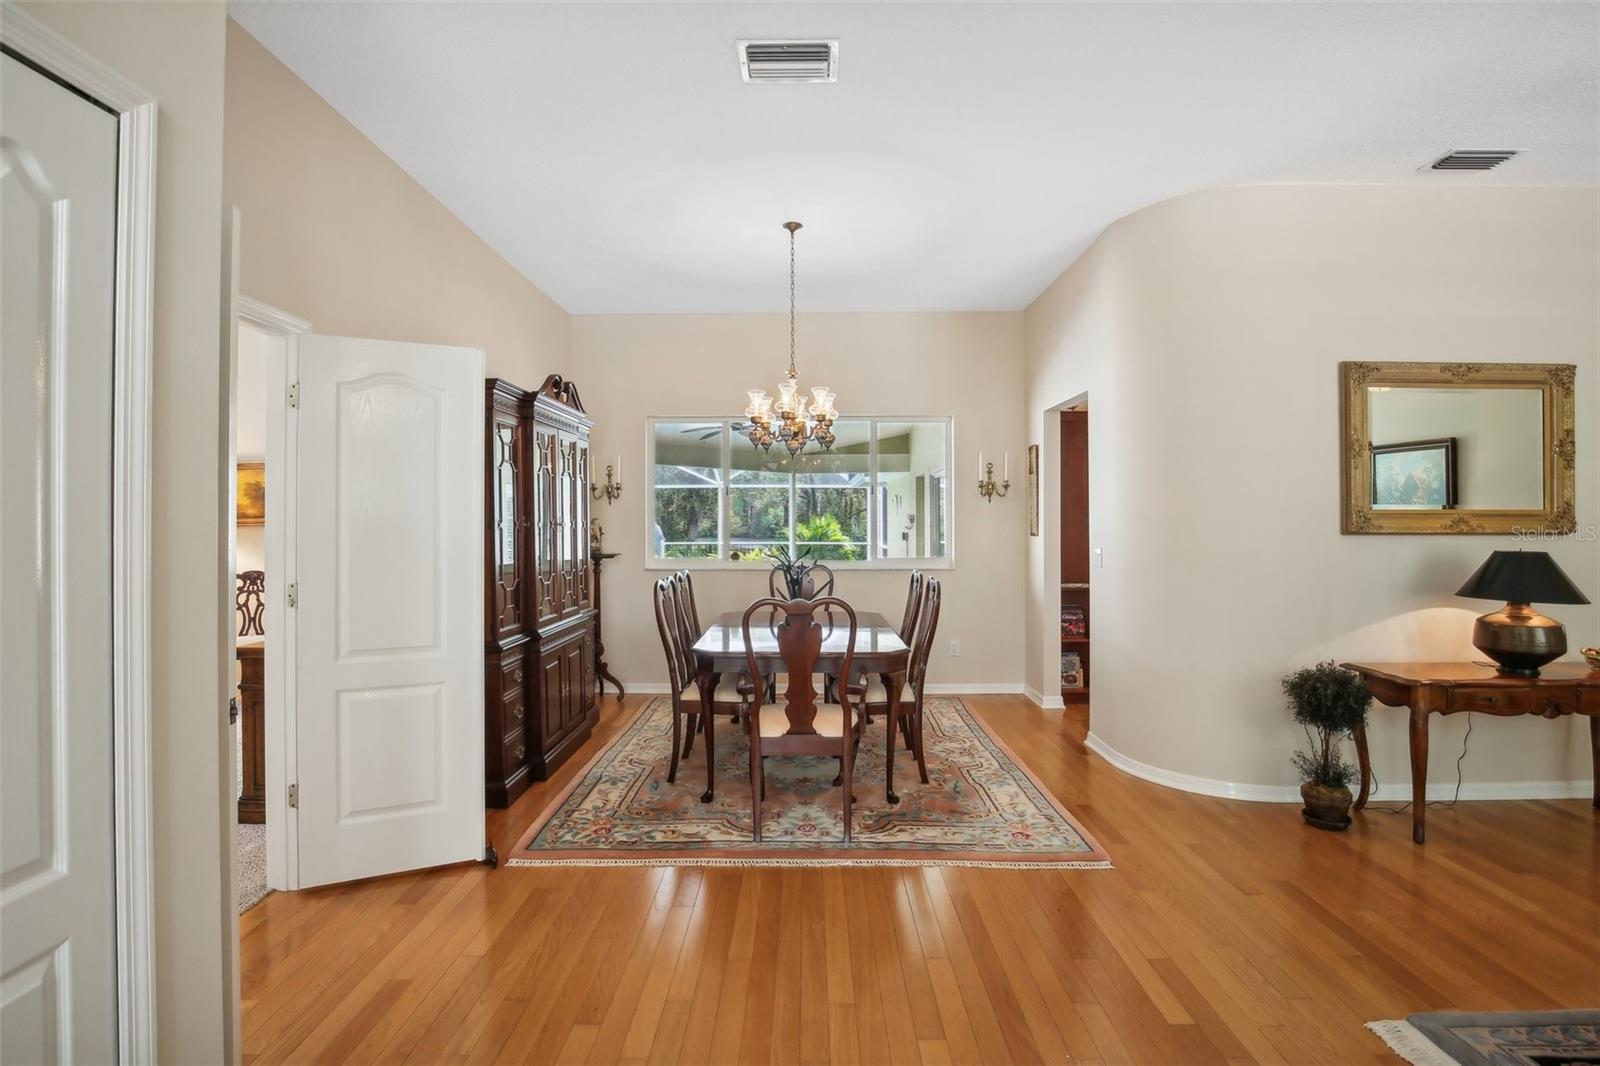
1457 447
1415 473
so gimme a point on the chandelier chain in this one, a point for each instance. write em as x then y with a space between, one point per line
792 371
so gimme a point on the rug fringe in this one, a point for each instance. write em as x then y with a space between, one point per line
1407 1041
982 864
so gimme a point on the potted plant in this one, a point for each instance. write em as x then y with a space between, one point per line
1329 702
793 568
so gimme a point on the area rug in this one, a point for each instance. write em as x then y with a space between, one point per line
250 866
981 807
1519 1038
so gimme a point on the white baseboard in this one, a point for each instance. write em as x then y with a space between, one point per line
977 688
647 688
1390 792
1049 703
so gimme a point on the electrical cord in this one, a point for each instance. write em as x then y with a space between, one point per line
1430 803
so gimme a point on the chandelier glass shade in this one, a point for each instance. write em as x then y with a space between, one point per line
791 418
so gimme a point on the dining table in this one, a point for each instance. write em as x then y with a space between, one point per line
879 650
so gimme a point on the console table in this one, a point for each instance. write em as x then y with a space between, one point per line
1562 688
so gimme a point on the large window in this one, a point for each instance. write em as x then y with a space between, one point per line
877 496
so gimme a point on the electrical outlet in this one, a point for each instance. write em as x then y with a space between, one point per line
955 648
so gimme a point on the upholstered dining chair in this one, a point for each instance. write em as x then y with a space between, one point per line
818 585
801 724
873 695
681 676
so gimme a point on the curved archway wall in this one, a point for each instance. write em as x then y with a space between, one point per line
1206 332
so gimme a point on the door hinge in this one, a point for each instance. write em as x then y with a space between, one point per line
294 796
294 594
294 395
233 710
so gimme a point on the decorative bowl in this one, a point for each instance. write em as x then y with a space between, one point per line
1593 657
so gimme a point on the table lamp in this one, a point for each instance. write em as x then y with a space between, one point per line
1518 638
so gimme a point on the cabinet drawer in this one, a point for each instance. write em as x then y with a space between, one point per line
514 708
1507 700
516 753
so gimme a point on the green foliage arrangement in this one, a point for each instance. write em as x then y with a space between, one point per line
1329 702
793 568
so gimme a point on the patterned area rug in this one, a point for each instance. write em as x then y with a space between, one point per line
981 807
1520 1038
250 866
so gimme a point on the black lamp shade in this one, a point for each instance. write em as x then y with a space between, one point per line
1521 577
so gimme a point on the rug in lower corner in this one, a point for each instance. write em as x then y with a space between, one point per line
1517 1038
981 806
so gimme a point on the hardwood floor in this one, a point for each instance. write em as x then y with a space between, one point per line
1228 932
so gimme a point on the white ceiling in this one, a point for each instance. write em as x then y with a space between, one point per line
966 155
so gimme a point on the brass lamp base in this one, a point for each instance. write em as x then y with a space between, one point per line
1519 639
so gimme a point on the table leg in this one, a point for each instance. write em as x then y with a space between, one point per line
894 683
1362 765
1419 773
1594 743
707 682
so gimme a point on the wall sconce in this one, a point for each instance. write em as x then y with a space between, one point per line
986 486
613 486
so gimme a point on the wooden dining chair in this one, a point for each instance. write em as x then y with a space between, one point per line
686 586
913 605
681 677
817 585
800 725
687 616
873 694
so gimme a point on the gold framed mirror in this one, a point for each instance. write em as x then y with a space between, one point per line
1457 447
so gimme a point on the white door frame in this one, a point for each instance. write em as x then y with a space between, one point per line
283 845
130 529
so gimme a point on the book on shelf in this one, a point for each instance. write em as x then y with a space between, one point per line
1071 670
1073 622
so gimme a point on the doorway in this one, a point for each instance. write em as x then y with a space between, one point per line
266 340
1073 423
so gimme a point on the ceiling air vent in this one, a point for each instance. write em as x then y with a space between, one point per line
789 60
1481 159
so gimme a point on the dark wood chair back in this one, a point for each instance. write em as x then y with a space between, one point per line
686 590
818 583
669 624
927 626
908 620
799 637
250 602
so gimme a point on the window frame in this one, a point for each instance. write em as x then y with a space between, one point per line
874 561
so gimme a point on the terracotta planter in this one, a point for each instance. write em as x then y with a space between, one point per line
1326 808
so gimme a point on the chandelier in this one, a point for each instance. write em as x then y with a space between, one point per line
791 419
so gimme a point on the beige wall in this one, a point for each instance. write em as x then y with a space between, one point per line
338 234
175 52
968 366
1206 332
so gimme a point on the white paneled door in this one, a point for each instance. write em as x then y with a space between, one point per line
389 624
58 180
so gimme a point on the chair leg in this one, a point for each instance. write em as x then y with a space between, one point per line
847 744
756 786
838 778
677 731
922 759
695 725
